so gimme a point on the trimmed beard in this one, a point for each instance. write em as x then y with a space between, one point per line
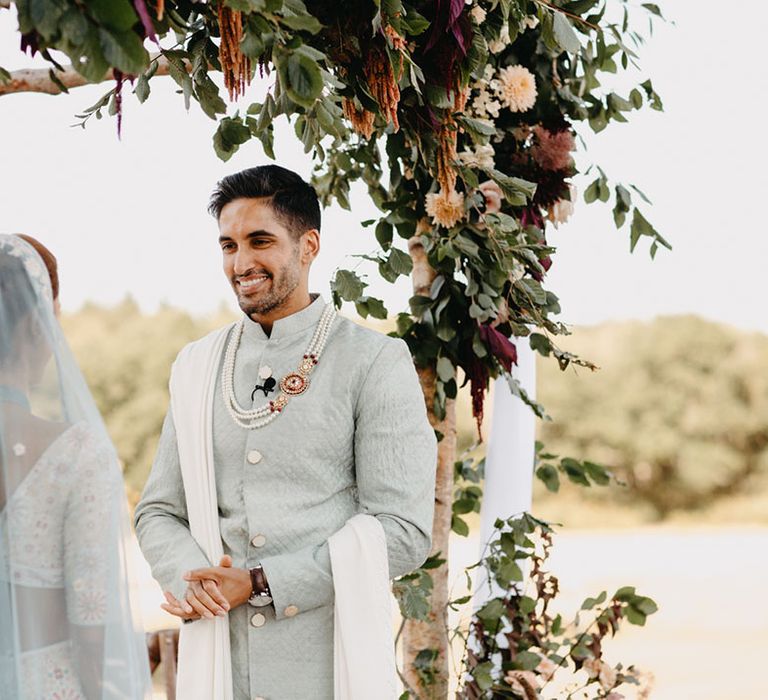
284 284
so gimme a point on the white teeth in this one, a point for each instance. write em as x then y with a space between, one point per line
247 284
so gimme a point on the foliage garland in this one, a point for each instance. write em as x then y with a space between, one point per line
475 105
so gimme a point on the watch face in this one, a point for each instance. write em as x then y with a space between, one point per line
259 601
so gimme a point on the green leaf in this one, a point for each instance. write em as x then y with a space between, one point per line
433 562
597 473
208 96
142 88
590 603
303 22
482 674
414 23
516 190
91 63
117 15
305 82
445 369
347 285
370 306
419 305
459 526
400 262
575 471
564 33
412 593
124 50
654 8
527 660
549 475
491 613
540 343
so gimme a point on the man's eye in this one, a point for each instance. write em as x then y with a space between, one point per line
227 246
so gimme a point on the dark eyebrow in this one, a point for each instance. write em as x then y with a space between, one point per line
252 234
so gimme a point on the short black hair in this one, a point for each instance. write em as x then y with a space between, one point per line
293 200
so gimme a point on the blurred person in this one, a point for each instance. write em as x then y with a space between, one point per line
295 473
66 627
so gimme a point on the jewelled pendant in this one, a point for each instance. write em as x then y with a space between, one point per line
294 384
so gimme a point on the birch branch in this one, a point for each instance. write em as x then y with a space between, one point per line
39 79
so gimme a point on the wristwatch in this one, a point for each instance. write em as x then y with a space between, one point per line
260 593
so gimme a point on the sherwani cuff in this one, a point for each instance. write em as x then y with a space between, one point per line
299 581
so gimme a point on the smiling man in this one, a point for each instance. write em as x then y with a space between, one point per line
303 420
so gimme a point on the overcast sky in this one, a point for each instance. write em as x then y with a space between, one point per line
128 217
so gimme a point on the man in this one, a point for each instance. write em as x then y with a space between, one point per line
314 419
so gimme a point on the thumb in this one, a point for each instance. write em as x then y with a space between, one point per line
226 561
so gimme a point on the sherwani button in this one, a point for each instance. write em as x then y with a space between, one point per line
258 540
290 611
254 456
258 620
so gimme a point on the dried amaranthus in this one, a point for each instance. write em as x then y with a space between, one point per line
235 65
446 154
362 121
382 83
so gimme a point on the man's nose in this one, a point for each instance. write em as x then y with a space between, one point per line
244 261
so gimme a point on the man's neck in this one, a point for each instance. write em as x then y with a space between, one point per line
266 321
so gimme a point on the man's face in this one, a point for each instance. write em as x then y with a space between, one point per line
264 262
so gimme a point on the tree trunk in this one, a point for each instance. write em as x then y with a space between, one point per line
432 634
39 79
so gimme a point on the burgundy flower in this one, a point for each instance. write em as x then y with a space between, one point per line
501 347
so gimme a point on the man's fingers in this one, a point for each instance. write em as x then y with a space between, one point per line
176 610
198 606
183 607
201 575
226 561
201 596
213 590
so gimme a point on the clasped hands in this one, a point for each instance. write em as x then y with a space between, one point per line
211 591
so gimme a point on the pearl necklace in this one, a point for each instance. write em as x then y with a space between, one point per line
291 384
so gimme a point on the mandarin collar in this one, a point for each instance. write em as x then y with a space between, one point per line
288 325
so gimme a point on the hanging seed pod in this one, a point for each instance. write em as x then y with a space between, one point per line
446 154
382 83
362 121
398 44
235 66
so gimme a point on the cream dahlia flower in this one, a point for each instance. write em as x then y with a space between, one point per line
481 157
478 14
498 45
607 676
445 208
517 88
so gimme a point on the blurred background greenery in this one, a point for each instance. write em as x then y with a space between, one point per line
678 411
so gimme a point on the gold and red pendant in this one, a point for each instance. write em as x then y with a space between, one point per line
294 384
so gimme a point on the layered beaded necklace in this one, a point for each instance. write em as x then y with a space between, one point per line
292 384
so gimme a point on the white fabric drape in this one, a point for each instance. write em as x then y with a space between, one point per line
205 665
364 657
363 645
509 458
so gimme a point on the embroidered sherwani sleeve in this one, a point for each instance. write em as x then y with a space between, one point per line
395 460
161 521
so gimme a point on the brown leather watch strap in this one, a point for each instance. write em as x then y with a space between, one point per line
259 581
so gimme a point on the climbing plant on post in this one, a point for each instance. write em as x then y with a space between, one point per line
460 118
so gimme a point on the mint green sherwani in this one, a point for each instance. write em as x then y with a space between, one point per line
358 440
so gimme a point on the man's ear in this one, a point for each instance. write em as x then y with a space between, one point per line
310 245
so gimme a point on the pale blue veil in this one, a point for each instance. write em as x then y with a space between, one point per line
66 620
